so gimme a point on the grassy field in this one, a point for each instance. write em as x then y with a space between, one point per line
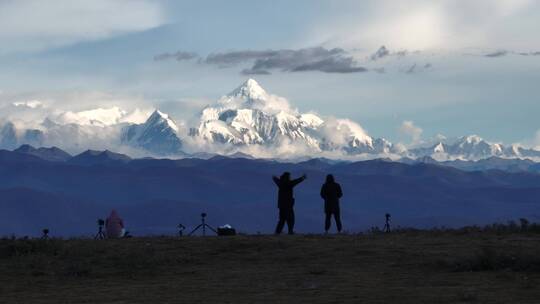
405 267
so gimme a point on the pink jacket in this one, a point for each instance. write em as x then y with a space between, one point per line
114 225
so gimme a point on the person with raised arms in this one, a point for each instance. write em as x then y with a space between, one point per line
286 200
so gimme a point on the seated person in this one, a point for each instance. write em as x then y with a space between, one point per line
114 226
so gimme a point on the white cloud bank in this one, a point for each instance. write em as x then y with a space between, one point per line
92 112
409 129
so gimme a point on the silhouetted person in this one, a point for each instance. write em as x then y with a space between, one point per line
114 226
331 193
45 235
387 222
286 200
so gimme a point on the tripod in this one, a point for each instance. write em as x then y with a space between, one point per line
204 225
45 235
387 223
180 228
100 235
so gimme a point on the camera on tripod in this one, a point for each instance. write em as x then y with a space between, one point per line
45 234
203 225
100 235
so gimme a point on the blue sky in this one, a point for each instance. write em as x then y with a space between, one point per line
452 67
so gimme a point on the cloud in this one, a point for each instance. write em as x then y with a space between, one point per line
32 104
178 56
416 68
402 53
236 57
529 53
338 132
380 53
411 69
92 108
320 59
33 25
101 116
384 52
536 141
255 72
331 65
408 128
261 62
496 54
502 53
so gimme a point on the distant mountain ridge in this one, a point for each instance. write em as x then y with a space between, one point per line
491 163
154 195
50 154
93 157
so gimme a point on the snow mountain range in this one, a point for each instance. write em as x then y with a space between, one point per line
247 121
472 147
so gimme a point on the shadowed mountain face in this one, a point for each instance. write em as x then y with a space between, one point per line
91 157
154 195
50 154
158 134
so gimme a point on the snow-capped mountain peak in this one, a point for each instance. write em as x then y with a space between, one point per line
311 120
439 148
250 95
251 116
249 89
471 140
159 134
515 150
159 117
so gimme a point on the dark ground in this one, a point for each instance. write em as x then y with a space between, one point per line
405 267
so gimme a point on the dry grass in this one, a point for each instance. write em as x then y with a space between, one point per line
405 267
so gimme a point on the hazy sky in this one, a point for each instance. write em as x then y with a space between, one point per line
449 67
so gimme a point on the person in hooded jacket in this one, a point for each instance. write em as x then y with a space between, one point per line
331 193
286 200
114 226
